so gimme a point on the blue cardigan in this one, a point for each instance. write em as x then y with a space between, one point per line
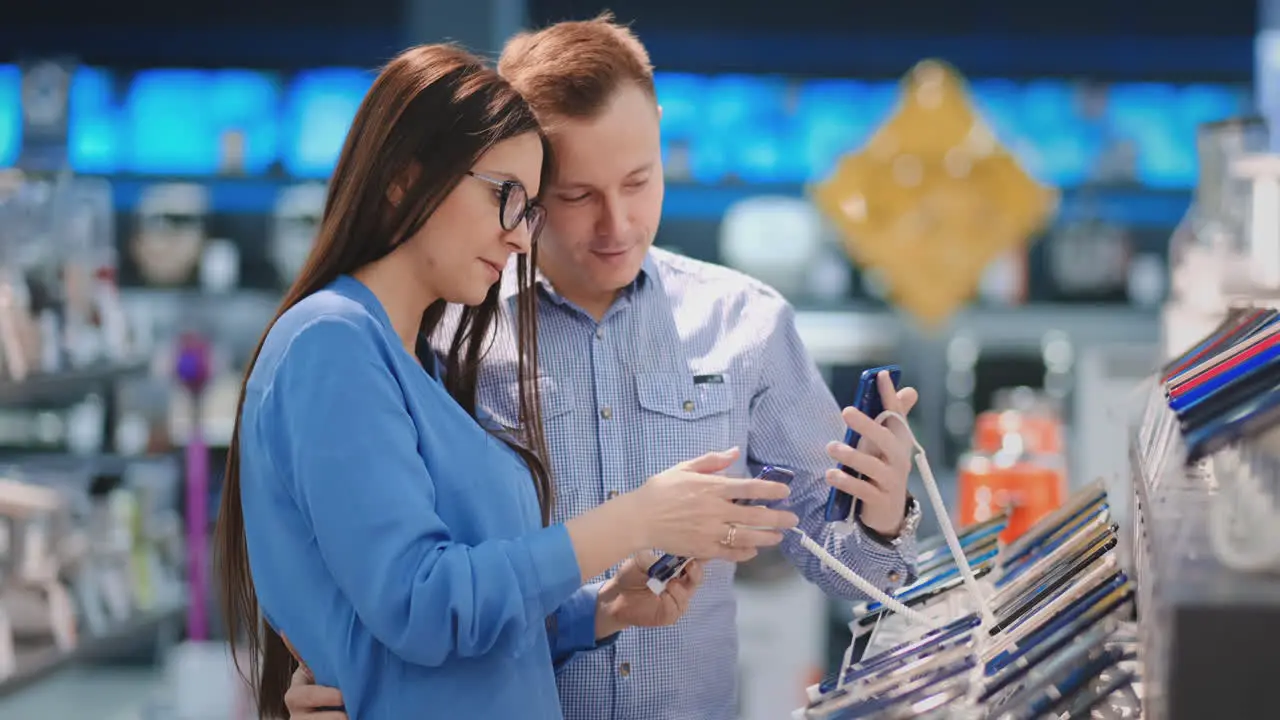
395 542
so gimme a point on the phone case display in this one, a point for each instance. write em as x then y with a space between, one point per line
1204 539
1058 640
169 232
295 222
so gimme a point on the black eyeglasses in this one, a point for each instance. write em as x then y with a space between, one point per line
514 205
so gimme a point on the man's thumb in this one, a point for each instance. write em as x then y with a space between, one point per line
713 461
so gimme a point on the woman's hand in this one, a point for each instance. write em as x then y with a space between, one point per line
688 511
625 600
883 455
308 701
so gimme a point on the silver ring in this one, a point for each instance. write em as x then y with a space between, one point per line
728 539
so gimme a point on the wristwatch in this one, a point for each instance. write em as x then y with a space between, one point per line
911 520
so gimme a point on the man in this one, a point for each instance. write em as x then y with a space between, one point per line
649 359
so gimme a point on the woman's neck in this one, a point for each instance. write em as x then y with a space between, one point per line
403 297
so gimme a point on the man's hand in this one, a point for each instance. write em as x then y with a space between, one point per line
308 701
625 600
883 455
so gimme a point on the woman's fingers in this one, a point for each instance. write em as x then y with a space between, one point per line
753 489
756 516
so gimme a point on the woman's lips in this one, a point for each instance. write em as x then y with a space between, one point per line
494 268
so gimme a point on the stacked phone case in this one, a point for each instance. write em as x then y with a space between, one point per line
1206 530
1062 644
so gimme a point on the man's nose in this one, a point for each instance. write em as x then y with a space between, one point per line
614 217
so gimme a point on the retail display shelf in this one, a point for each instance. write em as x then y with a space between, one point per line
66 387
1207 631
143 628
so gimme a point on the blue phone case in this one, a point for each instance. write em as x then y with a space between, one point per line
1251 417
1257 363
840 505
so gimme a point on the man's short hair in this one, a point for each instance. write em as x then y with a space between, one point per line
572 69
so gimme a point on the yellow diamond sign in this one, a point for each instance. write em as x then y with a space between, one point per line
933 197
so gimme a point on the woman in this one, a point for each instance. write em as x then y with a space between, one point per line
368 515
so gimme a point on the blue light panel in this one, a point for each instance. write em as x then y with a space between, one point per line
169 128
10 115
320 109
93 142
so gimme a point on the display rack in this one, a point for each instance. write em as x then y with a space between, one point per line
147 631
66 387
1209 634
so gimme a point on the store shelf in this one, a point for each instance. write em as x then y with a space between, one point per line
144 628
1208 632
65 388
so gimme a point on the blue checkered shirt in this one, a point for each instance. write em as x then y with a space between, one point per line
620 404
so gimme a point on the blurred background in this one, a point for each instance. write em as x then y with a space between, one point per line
172 167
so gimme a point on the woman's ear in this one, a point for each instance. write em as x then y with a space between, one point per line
399 188
395 194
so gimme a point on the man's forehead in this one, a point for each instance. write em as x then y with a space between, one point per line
582 158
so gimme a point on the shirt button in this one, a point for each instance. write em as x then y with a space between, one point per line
894 576
599 332
612 494
688 406
606 413
624 669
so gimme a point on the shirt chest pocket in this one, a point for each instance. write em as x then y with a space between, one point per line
683 416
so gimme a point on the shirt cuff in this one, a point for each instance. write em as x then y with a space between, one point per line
551 575
575 621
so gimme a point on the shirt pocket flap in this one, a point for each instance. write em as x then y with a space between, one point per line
557 400
677 395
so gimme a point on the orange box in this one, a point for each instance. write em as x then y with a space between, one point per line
1039 434
1025 489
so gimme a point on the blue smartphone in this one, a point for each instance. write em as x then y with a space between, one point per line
1262 361
841 506
1251 417
670 566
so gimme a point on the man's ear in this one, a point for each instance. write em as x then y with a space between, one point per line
659 112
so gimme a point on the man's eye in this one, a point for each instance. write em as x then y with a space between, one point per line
574 198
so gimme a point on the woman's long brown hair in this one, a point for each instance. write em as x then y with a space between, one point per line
430 115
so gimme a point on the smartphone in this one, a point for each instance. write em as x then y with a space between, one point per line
1230 345
1110 609
669 566
1246 361
1235 330
1235 316
1069 616
1251 417
1079 503
841 506
1256 382
1046 592
928 548
902 653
